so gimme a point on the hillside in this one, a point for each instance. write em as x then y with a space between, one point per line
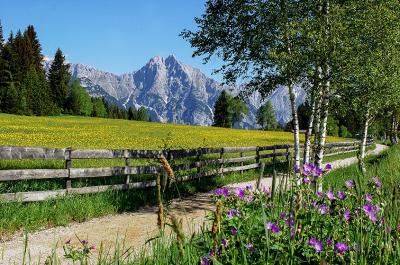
87 132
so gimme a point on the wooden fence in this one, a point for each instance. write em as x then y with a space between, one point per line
191 162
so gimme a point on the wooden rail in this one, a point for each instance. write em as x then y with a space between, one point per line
187 163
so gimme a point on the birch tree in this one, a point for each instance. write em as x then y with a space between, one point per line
259 42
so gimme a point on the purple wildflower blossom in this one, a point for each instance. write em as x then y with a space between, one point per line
232 213
273 227
330 195
205 260
341 195
340 247
297 169
328 167
349 183
306 180
323 209
317 172
312 241
284 215
250 247
371 211
319 247
328 241
377 183
234 231
222 192
240 193
289 221
224 242
346 215
319 194
84 242
368 197
267 191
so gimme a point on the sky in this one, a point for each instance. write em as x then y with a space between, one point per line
117 36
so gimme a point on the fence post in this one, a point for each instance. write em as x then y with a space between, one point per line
274 157
258 155
68 166
287 153
241 163
221 156
198 160
127 177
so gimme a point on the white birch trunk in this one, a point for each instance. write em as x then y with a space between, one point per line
395 124
296 131
363 144
307 140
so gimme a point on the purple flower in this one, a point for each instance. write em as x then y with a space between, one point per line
317 172
297 169
234 231
306 180
284 215
377 183
84 242
222 192
328 167
250 247
346 215
267 191
224 242
289 221
232 213
341 195
330 195
349 183
340 247
249 187
312 241
323 209
328 241
319 247
368 197
319 194
240 193
205 260
371 211
273 227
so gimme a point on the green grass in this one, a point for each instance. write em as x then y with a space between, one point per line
384 165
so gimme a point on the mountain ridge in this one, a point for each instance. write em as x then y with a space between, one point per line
174 92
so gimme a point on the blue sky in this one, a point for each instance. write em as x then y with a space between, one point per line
117 36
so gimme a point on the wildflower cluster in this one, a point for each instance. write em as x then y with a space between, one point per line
317 226
80 253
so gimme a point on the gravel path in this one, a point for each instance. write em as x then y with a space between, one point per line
135 227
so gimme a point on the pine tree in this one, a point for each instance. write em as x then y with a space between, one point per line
222 117
58 79
142 114
8 93
131 113
1 37
266 117
34 49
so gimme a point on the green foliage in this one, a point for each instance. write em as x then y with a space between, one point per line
332 127
79 101
58 79
99 110
266 117
222 117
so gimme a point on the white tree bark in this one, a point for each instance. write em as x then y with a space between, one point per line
363 143
296 131
395 124
307 140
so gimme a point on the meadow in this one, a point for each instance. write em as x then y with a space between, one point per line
91 133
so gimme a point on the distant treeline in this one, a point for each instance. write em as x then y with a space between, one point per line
26 88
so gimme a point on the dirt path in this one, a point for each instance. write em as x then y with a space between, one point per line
135 227
379 148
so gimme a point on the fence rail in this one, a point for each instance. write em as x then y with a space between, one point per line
246 158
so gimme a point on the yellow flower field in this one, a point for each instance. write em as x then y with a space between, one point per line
86 133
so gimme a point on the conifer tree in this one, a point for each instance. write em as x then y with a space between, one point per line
222 117
266 117
131 113
59 77
99 109
79 101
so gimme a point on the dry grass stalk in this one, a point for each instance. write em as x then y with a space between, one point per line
160 217
167 167
176 226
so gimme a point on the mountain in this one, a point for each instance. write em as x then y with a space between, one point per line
174 92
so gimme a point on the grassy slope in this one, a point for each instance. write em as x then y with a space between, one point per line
82 132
